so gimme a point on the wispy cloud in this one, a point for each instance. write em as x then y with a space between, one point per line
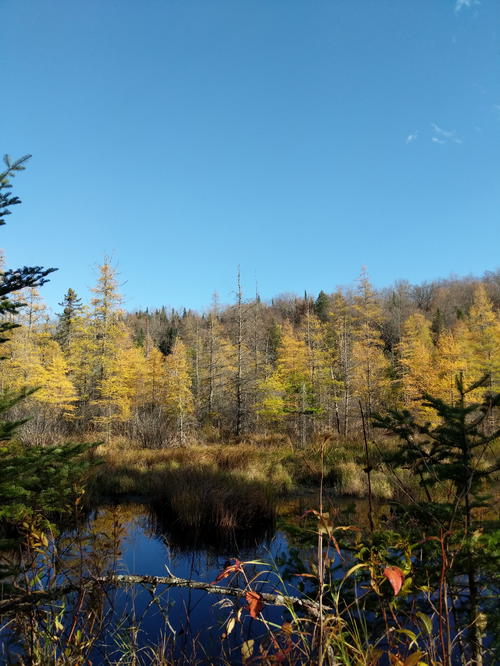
460 4
412 137
441 135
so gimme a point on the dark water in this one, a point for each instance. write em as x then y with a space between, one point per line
135 624
130 624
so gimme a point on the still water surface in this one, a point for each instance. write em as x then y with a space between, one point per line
139 540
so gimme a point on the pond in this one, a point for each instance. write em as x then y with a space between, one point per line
142 540
156 623
191 620
134 624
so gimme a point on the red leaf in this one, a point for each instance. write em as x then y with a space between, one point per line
231 568
396 577
255 603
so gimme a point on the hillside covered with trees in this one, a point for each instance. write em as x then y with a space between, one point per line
292 367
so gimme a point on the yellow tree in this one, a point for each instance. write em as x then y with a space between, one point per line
288 390
450 361
314 335
153 387
24 367
106 318
112 360
482 340
272 403
36 360
179 401
34 313
417 355
120 388
57 390
370 367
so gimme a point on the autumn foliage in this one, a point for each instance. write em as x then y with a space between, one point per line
293 366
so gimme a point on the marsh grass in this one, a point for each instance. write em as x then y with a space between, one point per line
221 482
214 494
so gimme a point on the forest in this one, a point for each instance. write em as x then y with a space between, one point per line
293 367
228 445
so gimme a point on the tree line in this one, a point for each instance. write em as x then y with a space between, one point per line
294 366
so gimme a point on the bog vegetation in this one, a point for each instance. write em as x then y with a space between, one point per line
389 394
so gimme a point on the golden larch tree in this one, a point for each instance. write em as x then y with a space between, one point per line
482 341
370 378
179 401
418 361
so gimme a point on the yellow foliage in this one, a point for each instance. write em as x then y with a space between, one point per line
57 388
292 363
417 357
272 403
369 364
481 341
34 360
178 396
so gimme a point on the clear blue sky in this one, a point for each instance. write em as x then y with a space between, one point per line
300 139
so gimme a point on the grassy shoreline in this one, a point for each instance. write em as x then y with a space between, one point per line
232 486
129 469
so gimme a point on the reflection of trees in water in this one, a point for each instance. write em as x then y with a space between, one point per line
216 540
108 530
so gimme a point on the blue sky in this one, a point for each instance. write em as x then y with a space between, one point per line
300 139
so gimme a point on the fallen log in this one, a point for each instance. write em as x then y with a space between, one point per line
311 608
297 603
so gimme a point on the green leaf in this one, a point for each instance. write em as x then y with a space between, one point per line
426 621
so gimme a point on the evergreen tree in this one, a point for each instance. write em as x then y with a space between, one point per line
72 307
35 481
452 453
322 306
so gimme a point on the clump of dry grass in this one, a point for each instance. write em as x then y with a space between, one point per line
199 485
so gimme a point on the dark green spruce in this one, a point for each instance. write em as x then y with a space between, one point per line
453 454
36 483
